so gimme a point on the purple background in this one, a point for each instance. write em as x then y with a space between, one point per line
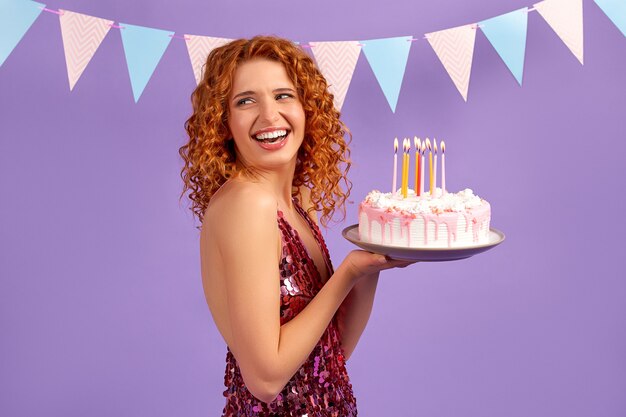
101 305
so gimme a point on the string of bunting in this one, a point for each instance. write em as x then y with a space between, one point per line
144 47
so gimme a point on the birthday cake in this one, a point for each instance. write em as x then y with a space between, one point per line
431 220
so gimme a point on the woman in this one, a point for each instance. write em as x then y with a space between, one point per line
266 152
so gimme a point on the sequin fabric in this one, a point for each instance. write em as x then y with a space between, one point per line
321 387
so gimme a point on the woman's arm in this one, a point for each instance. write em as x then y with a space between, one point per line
354 312
268 353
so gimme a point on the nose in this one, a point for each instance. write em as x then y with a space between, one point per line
268 111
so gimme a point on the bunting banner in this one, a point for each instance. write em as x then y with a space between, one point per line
16 17
336 61
143 48
388 58
507 34
565 17
616 11
455 49
199 48
82 35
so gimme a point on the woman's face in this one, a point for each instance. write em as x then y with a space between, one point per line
265 118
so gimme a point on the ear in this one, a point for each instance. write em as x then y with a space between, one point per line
230 145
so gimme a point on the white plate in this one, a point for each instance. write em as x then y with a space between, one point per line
496 237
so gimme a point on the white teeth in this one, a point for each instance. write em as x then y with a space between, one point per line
271 135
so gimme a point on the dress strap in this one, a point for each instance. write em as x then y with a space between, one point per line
317 235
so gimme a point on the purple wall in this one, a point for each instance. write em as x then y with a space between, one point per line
101 306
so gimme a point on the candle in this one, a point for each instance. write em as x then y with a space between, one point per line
403 167
422 151
394 185
435 166
430 164
443 167
408 165
406 144
418 145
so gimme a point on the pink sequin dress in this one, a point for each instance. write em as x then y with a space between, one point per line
321 387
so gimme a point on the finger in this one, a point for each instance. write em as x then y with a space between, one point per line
400 263
390 266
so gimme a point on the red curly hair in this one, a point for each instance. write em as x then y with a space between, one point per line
210 157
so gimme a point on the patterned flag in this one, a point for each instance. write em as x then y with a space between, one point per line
336 60
507 34
565 17
199 48
388 58
143 48
16 17
455 49
82 36
616 11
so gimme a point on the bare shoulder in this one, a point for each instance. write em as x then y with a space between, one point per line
239 248
238 205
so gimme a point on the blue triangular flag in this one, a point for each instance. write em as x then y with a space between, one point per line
507 34
388 57
616 11
16 17
143 48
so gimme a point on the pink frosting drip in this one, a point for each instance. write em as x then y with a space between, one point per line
476 217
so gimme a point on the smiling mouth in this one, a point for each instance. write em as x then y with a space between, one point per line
271 137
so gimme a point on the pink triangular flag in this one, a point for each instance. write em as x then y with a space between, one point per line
455 49
336 61
82 35
199 48
565 17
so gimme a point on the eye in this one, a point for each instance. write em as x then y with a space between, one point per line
284 96
243 101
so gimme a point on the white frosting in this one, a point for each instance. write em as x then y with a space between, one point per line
455 202
442 220
394 233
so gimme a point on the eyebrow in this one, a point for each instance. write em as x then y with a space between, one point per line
245 93
251 93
